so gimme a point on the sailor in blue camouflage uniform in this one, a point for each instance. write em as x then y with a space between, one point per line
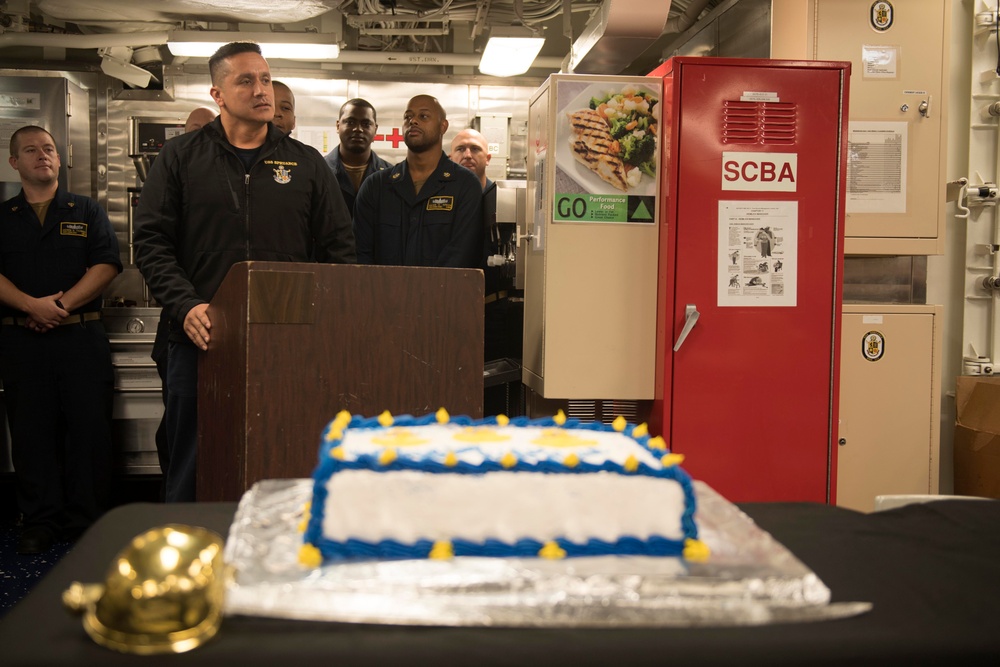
426 210
58 253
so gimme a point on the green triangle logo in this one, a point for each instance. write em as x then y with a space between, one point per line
641 212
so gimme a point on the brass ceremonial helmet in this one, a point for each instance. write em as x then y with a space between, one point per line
163 593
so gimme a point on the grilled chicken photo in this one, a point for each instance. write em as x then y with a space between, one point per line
594 146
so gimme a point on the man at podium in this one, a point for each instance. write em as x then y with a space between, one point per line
240 189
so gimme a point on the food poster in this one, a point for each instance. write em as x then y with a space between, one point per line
606 151
758 253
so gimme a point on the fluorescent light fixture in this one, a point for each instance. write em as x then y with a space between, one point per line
510 51
286 45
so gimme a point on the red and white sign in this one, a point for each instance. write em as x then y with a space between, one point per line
759 172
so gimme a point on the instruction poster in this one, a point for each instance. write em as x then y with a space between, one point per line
758 253
876 167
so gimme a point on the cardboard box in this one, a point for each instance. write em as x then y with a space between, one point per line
977 436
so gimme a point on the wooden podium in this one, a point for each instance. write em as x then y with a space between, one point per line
293 344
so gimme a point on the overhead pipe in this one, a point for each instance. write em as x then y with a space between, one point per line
424 58
95 41
687 18
139 39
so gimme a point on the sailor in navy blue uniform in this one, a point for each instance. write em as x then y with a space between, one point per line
58 253
426 210
354 160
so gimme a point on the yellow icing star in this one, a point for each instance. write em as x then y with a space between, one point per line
480 434
442 416
619 424
552 551
342 419
337 453
657 443
669 460
696 551
560 418
385 419
450 459
334 434
310 556
508 460
631 463
442 550
640 430
571 461
502 420
387 456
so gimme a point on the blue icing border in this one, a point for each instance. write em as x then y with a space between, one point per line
390 549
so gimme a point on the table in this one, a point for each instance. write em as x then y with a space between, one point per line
932 572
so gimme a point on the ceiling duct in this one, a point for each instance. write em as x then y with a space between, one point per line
617 34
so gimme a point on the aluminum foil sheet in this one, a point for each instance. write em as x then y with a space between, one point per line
750 579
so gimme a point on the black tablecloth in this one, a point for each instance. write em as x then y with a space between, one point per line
932 572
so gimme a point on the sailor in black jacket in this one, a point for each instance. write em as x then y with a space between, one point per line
238 189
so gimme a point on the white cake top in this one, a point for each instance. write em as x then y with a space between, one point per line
451 443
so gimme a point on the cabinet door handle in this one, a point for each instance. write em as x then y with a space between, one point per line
691 316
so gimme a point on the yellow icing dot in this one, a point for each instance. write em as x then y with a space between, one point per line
442 416
656 443
441 550
343 418
385 419
640 430
398 437
387 456
502 420
480 434
555 437
571 461
672 460
337 453
696 550
450 459
631 463
552 551
334 434
508 460
560 418
619 424
310 556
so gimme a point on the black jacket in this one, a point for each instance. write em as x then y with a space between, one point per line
200 212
